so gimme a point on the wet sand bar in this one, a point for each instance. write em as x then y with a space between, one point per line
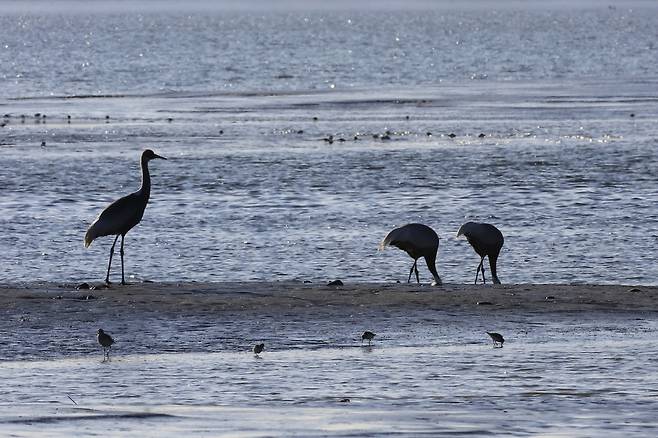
190 298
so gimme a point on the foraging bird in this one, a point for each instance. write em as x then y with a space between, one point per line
106 342
487 241
123 214
258 348
368 335
497 339
417 240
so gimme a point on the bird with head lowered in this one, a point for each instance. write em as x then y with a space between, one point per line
417 240
487 241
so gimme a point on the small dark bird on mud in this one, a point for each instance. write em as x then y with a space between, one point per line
258 348
368 335
106 342
497 339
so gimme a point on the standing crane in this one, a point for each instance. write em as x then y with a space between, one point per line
123 214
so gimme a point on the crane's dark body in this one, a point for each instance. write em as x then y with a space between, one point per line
417 240
487 241
123 214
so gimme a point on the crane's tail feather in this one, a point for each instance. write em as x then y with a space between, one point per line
89 237
102 226
94 231
386 242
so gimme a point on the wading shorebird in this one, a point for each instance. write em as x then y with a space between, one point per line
258 348
497 339
368 335
123 214
487 241
417 240
106 342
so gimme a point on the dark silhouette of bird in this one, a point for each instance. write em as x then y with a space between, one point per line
368 335
258 348
417 240
106 342
123 214
487 241
497 339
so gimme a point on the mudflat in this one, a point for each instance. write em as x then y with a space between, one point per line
272 297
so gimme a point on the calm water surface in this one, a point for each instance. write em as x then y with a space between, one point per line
428 373
253 192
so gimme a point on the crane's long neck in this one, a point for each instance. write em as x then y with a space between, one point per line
145 189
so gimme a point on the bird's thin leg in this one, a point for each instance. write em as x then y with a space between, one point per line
123 280
412 271
417 278
477 272
107 277
484 280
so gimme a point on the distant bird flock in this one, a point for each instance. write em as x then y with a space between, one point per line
106 341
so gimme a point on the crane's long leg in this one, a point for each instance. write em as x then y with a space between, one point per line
123 280
477 272
412 271
484 280
107 277
417 278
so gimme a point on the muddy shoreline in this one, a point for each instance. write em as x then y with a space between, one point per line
291 296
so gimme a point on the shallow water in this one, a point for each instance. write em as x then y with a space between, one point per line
427 373
574 199
251 190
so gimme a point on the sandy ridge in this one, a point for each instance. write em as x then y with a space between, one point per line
270 296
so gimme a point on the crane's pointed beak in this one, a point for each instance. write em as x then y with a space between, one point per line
159 156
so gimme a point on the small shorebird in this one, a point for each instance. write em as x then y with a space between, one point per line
123 214
497 339
487 241
368 335
106 342
418 241
258 348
